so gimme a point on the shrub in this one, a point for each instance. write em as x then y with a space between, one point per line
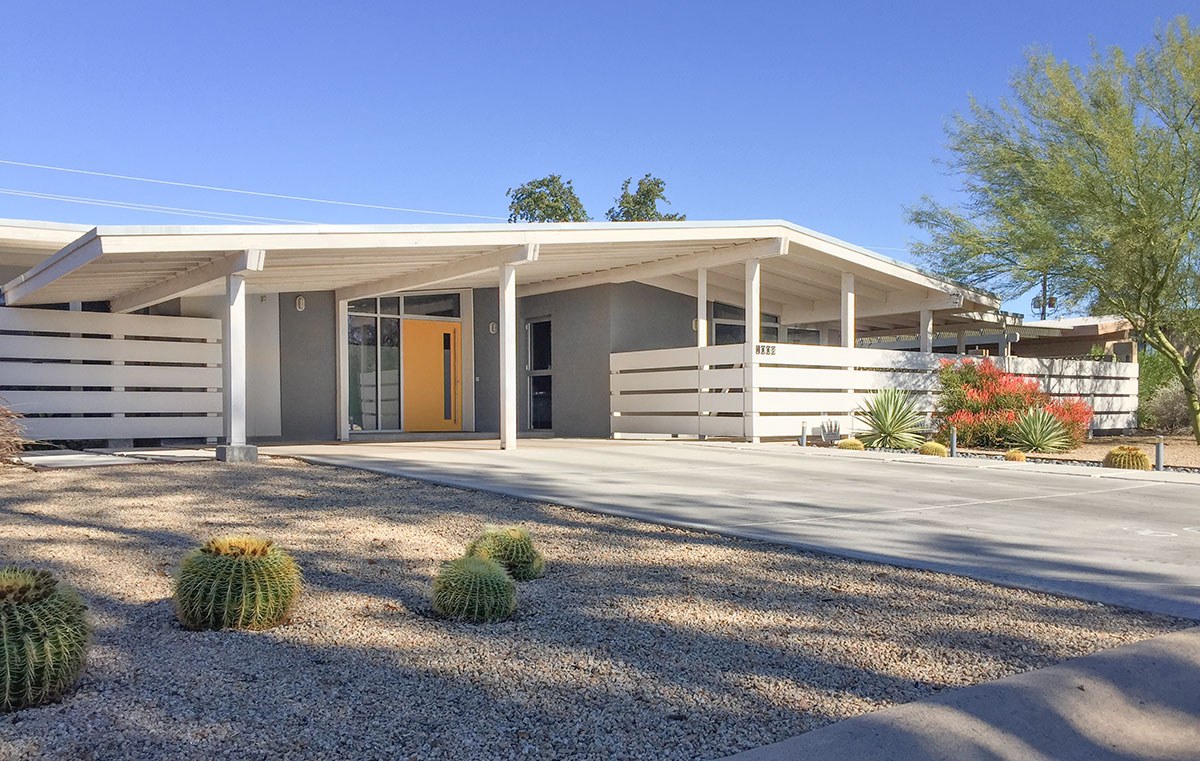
1038 430
892 420
934 449
1167 409
985 404
43 637
474 589
236 582
1128 458
1014 455
1154 372
851 443
511 547
11 440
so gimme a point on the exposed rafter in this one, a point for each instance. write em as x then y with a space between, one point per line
441 273
251 260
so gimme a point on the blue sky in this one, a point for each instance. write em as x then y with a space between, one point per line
827 116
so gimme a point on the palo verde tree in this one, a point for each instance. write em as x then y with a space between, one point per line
547 199
1089 176
642 204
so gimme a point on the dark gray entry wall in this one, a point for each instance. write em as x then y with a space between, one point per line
308 367
586 325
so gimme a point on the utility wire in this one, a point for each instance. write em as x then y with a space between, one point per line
247 192
220 215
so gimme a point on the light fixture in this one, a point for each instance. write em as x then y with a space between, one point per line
300 304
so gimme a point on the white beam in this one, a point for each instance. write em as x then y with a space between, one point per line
233 360
687 287
831 313
926 330
251 260
847 312
441 273
20 289
508 357
686 263
753 336
342 355
702 307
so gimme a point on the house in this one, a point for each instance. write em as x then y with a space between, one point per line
263 333
1108 336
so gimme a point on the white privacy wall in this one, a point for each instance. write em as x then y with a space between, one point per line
262 356
703 391
89 375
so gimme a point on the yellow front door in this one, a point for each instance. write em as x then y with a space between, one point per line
432 384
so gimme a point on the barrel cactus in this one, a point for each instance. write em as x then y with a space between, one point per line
1129 458
475 589
1014 455
236 582
851 443
511 547
934 449
43 637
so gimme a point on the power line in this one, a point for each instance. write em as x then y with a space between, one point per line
246 192
220 215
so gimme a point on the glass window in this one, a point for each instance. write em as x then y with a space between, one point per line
727 312
803 336
389 305
770 334
539 345
433 305
362 305
728 333
389 373
362 381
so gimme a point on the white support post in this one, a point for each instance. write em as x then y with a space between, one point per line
926 331
702 308
233 366
342 355
753 335
961 342
508 357
848 310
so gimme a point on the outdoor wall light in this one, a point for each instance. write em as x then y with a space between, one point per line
300 304
493 327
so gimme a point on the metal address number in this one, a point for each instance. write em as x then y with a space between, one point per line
760 349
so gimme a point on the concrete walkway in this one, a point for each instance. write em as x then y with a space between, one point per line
1134 703
1118 538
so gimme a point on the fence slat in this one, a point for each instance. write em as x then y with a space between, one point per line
83 402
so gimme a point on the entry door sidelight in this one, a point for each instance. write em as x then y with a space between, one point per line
540 380
432 375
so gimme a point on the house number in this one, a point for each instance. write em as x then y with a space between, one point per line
760 349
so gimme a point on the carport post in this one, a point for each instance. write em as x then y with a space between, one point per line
233 368
508 357
701 308
848 310
753 336
926 331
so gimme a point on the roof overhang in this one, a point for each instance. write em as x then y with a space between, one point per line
134 266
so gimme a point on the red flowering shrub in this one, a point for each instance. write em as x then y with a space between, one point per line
983 402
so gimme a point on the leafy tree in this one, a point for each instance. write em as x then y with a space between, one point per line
548 199
1090 176
642 204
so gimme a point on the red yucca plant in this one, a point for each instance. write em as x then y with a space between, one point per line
984 402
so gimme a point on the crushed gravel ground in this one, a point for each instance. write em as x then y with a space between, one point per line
642 642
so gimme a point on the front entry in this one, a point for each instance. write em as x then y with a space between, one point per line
432 380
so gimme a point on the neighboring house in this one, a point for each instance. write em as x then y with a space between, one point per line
1108 336
299 332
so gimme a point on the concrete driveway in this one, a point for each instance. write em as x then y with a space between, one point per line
1131 541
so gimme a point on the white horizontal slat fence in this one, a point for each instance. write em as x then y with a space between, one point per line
710 391
93 375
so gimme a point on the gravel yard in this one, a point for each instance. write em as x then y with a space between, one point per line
642 642
1180 451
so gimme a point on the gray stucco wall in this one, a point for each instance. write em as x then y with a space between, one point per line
487 360
308 367
645 317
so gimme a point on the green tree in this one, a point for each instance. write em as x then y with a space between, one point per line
1090 176
642 204
547 199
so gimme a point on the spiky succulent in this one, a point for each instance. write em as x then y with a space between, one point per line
511 547
236 582
1014 455
475 589
892 419
43 637
851 443
934 449
1037 430
1128 458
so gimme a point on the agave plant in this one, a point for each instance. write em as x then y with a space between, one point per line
1036 430
892 420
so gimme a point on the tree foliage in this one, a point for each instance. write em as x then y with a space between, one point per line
642 204
547 199
1090 176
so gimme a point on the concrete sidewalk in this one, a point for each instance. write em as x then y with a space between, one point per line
1134 703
